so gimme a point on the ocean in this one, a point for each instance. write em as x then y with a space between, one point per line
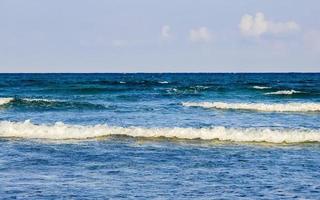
160 136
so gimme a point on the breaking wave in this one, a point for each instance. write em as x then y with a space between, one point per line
276 107
261 87
61 131
36 103
4 101
284 92
7 100
38 100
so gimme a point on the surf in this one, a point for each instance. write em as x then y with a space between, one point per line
48 104
274 107
5 100
61 131
284 92
260 87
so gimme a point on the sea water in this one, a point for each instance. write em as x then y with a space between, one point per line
162 136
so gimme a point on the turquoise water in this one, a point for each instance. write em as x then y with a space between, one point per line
163 136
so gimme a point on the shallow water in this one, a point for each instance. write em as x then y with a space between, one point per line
129 168
163 136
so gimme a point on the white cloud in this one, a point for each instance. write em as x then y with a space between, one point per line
165 32
201 34
258 25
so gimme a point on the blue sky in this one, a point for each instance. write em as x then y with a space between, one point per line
159 36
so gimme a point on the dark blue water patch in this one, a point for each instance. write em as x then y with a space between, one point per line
32 104
104 83
155 99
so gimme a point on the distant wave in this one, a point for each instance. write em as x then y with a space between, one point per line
284 92
200 87
35 100
163 82
276 107
260 87
61 131
27 103
192 90
8 100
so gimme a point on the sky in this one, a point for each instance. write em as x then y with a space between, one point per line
160 36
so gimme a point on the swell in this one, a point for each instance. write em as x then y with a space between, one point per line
276 107
60 131
6 100
127 82
284 92
121 86
46 104
260 87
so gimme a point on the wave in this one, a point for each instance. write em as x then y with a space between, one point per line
284 92
276 107
200 87
37 103
61 131
163 82
4 101
39 100
192 90
260 87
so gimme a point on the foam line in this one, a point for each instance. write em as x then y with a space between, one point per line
260 87
4 101
61 131
283 92
275 107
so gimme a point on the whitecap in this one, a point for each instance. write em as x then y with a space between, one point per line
283 92
200 87
37 99
7 100
274 107
260 87
61 131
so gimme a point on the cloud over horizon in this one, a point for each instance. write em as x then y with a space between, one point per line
159 36
201 34
166 32
258 25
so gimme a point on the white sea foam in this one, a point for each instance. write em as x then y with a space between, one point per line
276 107
261 87
44 100
163 82
7 100
284 92
4 101
200 87
60 131
122 82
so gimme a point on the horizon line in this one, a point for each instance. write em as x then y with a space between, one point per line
168 72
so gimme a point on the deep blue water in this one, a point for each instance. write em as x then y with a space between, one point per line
162 136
